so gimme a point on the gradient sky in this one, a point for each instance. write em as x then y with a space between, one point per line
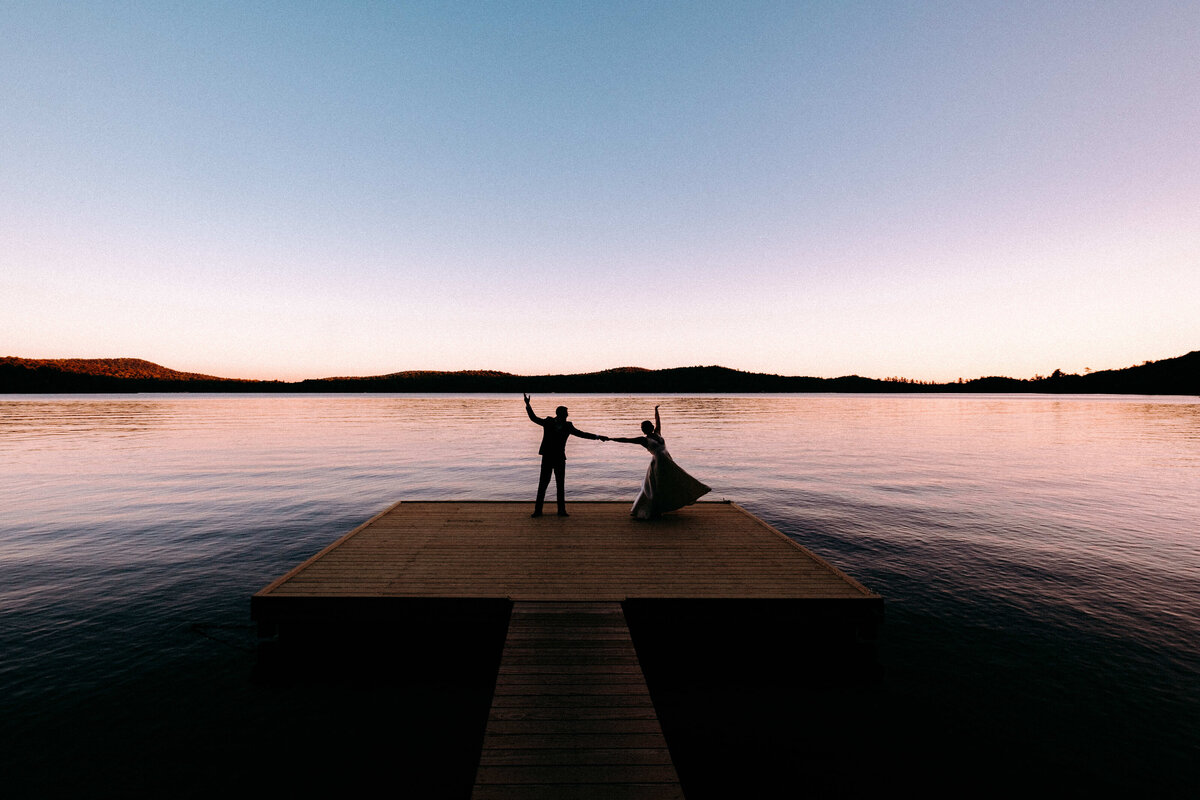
288 190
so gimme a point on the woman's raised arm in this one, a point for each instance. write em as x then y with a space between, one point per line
657 421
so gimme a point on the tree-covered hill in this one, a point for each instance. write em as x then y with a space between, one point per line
1179 375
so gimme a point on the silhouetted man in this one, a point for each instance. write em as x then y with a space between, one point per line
555 431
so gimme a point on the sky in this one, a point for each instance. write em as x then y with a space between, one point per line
300 190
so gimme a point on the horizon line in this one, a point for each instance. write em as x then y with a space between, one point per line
188 375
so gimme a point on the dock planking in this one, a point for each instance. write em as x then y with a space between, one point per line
598 554
571 715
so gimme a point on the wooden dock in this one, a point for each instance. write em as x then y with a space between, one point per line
571 714
598 554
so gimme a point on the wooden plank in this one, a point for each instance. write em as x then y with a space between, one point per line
569 725
542 679
576 773
568 741
629 755
602 791
571 701
559 661
505 713
567 670
554 689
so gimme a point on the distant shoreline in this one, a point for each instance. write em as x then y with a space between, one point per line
1172 376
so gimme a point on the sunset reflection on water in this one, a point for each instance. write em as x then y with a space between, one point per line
1045 545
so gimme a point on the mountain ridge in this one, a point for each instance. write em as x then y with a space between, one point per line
110 367
1178 375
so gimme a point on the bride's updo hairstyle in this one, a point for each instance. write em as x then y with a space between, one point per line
647 427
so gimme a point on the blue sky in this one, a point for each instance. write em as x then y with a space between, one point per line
272 190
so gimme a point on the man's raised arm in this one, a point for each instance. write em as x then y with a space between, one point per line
529 410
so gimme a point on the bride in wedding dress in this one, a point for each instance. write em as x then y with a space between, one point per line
666 487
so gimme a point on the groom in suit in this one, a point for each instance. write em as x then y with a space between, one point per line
555 432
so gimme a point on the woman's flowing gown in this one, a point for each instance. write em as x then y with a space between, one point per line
666 487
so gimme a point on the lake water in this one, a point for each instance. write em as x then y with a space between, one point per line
1039 557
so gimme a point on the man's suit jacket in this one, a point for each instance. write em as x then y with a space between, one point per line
555 433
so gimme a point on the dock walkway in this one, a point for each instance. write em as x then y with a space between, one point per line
571 712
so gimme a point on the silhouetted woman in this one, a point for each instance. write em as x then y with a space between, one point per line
667 487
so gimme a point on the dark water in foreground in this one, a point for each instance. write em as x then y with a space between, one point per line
1039 556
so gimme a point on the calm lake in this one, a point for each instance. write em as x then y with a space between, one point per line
1039 557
